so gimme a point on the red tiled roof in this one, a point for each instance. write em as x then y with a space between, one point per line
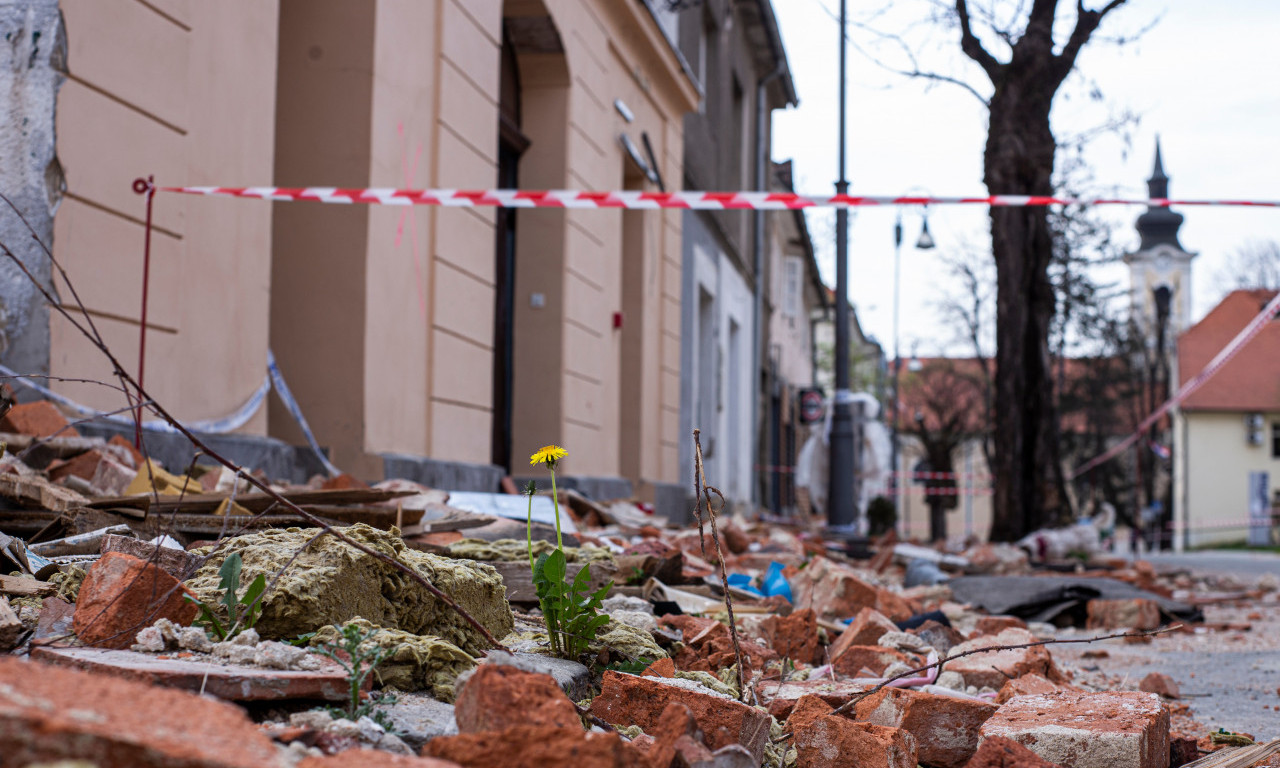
1251 380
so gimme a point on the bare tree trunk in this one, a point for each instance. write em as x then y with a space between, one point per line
1030 491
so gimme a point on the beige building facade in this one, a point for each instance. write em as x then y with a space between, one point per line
469 336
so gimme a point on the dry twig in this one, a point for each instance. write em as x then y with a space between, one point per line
913 672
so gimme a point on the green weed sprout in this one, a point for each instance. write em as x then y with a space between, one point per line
353 652
243 611
571 612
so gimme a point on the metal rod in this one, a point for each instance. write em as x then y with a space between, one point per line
841 509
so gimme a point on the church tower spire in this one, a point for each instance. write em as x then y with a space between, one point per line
1159 225
1160 270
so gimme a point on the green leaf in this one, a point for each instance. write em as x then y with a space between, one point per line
583 579
230 572
251 594
554 567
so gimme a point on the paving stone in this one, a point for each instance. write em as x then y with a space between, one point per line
824 739
235 683
945 727
121 595
995 667
1111 729
632 700
49 714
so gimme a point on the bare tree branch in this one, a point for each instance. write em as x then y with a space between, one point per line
1086 22
972 47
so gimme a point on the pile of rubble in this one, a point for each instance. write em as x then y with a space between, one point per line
374 643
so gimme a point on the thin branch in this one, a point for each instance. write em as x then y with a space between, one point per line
1086 22
914 672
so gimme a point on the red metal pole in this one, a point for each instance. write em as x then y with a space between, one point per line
148 188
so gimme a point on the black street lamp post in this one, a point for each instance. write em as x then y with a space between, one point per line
841 511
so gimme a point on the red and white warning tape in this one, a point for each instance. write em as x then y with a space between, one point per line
567 198
1246 334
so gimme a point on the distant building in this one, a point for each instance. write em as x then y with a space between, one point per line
736 53
440 344
1230 427
795 294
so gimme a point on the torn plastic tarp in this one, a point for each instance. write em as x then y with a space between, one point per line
1052 598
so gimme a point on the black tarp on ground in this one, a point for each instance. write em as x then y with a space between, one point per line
1058 600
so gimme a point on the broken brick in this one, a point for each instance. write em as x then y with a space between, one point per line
631 700
824 739
1160 684
994 625
373 758
83 466
1111 729
121 595
999 752
995 667
780 697
866 629
37 419
793 637
528 746
1133 613
945 727
1025 685
48 714
709 648
497 697
873 658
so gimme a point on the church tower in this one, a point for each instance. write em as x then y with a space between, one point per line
1160 270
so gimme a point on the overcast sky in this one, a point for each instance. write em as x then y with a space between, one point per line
1203 78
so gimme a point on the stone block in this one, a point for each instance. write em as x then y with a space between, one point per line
1111 729
823 739
419 718
122 595
945 727
48 714
632 700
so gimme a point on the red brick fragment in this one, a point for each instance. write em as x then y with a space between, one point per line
824 739
497 697
123 594
945 727
39 419
999 752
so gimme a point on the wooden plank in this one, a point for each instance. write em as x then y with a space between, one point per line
21 586
254 502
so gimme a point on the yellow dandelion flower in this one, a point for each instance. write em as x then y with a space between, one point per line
549 455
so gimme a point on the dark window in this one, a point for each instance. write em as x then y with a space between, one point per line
1275 439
